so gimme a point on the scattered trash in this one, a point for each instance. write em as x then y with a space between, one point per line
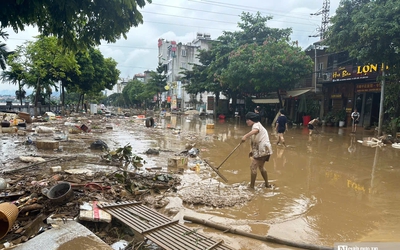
85 128
89 211
396 145
8 215
210 126
47 144
3 183
178 162
5 124
119 245
49 116
152 151
41 129
56 169
31 159
99 145
27 117
149 122
371 142
60 193
193 152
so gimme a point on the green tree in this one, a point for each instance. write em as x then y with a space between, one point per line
268 67
157 82
46 63
245 60
369 31
116 99
78 23
96 74
4 53
16 72
135 93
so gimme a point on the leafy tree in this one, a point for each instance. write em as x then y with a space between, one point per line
96 74
157 82
16 72
116 99
78 23
46 62
268 67
4 53
369 30
134 93
245 60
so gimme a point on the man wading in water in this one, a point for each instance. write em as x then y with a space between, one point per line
260 148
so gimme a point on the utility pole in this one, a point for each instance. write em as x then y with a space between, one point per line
325 19
381 101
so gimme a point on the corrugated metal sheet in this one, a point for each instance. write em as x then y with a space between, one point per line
160 229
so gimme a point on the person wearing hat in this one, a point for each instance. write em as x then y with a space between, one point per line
260 148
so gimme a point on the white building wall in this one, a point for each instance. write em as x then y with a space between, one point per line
178 56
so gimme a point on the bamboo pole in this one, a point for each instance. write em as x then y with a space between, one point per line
266 238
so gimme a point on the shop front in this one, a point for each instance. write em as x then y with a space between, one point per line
354 87
367 101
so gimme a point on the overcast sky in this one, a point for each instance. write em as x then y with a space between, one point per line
180 20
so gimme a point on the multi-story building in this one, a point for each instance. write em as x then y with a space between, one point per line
176 57
346 84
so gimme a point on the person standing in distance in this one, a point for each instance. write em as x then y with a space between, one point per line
355 116
260 148
281 127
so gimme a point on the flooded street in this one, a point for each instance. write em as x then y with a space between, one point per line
329 187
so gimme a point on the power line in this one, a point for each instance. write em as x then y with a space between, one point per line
195 18
209 20
241 7
220 13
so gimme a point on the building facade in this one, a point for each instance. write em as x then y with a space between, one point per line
347 85
177 57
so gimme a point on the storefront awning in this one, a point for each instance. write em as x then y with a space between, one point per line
266 101
296 92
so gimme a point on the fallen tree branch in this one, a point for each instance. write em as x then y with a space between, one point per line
30 165
266 238
27 208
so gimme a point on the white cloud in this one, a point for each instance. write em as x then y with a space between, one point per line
180 20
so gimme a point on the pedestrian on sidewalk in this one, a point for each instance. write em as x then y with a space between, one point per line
281 126
260 148
355 117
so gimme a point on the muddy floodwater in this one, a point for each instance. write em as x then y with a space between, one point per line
329 187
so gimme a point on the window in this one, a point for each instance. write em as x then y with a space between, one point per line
183 52
320 68
183 65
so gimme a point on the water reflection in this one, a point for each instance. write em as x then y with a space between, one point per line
352 148
330 188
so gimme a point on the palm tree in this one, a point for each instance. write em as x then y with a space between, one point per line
4 53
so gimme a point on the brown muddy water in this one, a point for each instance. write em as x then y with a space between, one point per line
329 187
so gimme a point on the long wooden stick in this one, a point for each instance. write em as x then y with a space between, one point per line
30 165
228 156
266 238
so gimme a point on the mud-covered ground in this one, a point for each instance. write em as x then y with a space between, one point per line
87 152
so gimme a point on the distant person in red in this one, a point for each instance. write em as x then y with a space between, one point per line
281 127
